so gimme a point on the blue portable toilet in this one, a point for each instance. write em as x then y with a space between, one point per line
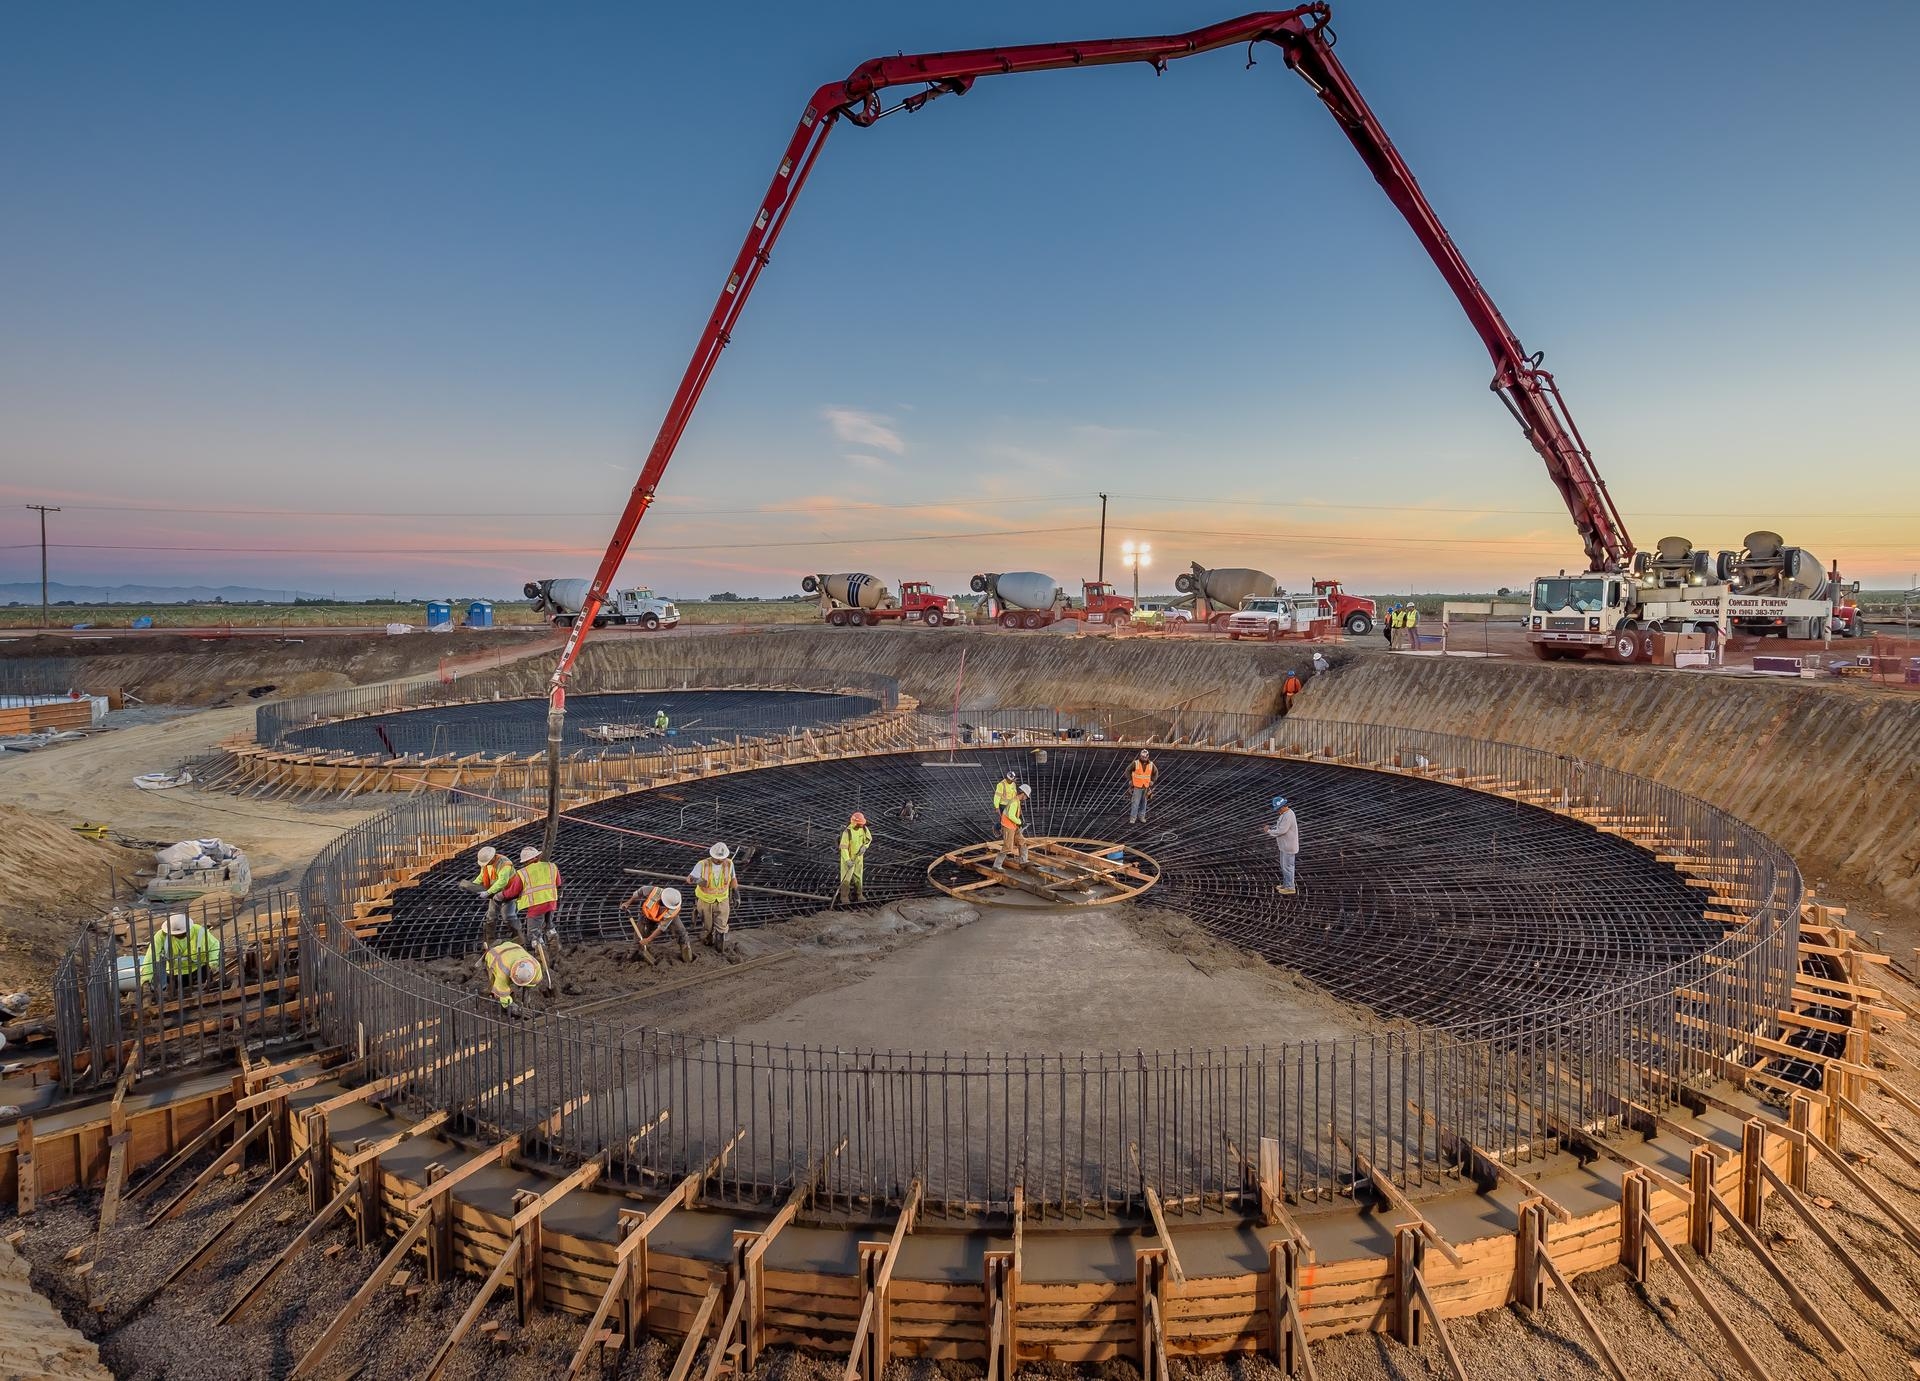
439 615
480 614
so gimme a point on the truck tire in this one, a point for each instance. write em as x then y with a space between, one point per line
810 584
1623 645
932 618
599 622
650 622
1358 625
1120 619
563 620
1010 620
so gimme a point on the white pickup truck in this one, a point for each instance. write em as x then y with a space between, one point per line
1279 616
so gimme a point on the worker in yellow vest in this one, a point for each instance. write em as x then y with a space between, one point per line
1013 832
182 955
1004 792
1140 776
536 895
660 721
855 840
510 969
659 908
1413 625
495 875
714 885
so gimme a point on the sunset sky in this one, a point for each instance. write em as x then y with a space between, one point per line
355 298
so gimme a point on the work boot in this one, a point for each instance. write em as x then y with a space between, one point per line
1284 891
686 951
860 891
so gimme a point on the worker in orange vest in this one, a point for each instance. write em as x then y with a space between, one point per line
1140 776
660 909
1290 688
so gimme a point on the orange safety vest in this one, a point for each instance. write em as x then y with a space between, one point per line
1292 686
652 908
1142 773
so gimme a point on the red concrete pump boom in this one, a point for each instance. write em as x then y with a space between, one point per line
1306 41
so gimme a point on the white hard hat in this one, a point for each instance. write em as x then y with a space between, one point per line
670 898
528 854
525 972
177 923
717 851
487 852
1025 790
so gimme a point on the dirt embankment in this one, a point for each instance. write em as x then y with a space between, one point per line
1031 670
199 671
1832 773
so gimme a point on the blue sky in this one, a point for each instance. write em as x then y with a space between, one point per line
373 269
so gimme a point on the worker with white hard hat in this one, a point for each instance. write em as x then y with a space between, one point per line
511 968
496 873
535 894
659 908
855 840
714 885
1140 777
1285 830
1004 791
1013 829
183 954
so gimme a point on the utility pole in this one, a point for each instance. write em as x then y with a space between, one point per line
1101 573
46 619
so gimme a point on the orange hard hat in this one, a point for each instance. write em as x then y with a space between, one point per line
857 819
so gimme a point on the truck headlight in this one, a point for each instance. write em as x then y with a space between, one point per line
1536 620
1593 624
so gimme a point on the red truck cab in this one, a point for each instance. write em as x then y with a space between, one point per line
1355 615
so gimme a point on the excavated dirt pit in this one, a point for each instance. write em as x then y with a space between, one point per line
941 974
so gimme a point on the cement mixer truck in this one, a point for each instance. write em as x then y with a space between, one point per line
1028 599
562 600
1785 591
1217 593
856 600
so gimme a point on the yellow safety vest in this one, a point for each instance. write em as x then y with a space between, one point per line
854 841
713 879
660 720
1004 792
503 957
1413 618
1010 814
541 886
183 954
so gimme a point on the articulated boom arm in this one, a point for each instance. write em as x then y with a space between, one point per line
1303 36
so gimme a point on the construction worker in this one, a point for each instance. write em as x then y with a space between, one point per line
1389 623
855 840
1004 792
1320 664
536 896
1013 832
495 875
714 885
182 953
1285 830
508 967
1140 776
1413 625
660 720
659 908
1290 688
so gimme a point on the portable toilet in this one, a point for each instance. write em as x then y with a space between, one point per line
480 614
439 616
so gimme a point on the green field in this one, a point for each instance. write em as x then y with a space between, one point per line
514 615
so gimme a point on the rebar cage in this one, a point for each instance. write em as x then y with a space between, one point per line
1084 1134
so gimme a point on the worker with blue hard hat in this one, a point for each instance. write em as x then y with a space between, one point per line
1285 830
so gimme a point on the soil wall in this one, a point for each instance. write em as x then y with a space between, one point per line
1831 772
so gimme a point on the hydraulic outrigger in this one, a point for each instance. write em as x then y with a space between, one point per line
1306 42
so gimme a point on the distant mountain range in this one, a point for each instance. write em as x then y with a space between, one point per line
28 592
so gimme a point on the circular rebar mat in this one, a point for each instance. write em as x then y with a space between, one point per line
1418 899
519 727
